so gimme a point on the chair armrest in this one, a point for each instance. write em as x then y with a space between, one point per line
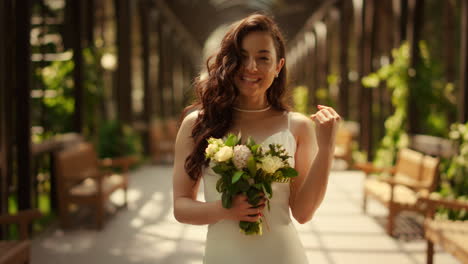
369 168
413 185
122 162
23 218
434 201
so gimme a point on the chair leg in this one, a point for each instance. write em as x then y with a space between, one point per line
125 197
391 221
64 215
430 252
99 214
364 203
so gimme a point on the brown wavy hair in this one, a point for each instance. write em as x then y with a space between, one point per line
217 93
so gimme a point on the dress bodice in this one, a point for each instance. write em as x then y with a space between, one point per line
225 244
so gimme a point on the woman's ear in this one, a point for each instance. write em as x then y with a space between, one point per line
279 65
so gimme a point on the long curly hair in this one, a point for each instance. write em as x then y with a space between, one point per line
216 94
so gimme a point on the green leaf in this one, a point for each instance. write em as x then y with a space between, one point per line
252 166
220 168
289 172
258 186
237 176
243 186
267 189
220 185
250 142
231 141
254 148
226 199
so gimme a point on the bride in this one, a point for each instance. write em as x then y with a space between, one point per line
245 92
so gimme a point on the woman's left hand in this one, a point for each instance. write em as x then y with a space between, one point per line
327 122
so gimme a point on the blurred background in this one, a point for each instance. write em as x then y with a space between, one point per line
84 80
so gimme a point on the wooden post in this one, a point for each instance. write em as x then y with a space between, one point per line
365 93
161 69
462 105
77 43
3 111
23 104
124 69
321 34
416 14
344 29
396 23
148 96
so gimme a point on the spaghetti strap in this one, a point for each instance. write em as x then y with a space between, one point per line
289 120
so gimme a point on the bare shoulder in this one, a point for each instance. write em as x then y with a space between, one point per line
186 127
301 125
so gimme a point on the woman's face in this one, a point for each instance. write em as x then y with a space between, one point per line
259 64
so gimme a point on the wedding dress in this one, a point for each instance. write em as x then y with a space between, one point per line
279 243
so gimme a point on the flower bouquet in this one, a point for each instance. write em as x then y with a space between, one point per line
249 169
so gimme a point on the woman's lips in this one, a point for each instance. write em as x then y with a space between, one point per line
250 79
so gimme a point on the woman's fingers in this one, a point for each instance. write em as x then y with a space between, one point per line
251 218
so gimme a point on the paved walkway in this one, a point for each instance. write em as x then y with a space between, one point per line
148 233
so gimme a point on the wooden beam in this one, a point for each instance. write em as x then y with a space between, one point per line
23 104
77 42
3 110
415 25
463 103
314 18
124 69
365 93
195 48
145 59
344 30
161 69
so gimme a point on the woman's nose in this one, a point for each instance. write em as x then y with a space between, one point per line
250 64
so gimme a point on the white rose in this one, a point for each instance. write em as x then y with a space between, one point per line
211 150
271 164
223 154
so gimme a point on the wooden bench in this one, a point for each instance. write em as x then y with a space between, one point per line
18 252
413 174
84 179
451 235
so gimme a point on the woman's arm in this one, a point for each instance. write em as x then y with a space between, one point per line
313 159
186 207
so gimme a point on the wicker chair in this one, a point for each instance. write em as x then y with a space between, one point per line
83 179
450 235
413 174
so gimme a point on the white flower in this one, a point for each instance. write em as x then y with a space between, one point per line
241 154
223 154
211 150
271 164
217 141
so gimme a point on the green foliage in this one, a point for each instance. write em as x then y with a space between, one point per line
300 99
118 140
396 78
454 171
55 112
427 84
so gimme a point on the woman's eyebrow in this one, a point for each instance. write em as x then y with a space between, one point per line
260 51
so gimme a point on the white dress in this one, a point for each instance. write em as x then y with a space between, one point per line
278 245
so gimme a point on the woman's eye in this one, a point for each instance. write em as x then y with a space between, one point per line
264 58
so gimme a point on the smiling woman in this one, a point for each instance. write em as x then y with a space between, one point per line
244 93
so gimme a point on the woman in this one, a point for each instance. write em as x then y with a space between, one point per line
244 92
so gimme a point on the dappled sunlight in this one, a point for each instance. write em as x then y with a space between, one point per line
147 231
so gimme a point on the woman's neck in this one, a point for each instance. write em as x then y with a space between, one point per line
251 104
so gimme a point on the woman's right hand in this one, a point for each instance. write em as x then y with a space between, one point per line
241 210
